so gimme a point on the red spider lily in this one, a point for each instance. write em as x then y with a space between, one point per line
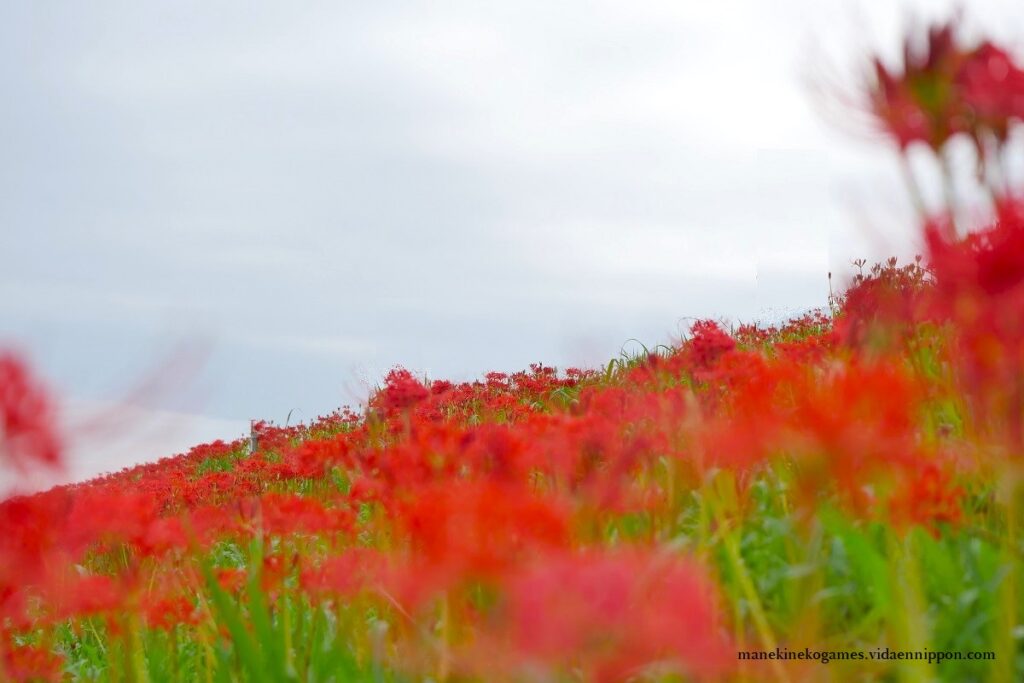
944 87
30 663
992 86
169 612
882 307
346 575
708 344
610 615
856 431
275 569
107 515
312 459
927 498
918 103
980 289
812 350
401 391
479 529
84 596
849 429
32 531
396 579
163 535
230 578
28 433
288 514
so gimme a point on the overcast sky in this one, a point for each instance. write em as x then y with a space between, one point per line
241 210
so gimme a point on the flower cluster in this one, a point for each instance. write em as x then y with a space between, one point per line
945 87
28 434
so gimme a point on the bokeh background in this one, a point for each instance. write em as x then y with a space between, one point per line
212 213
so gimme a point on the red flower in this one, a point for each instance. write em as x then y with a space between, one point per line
992 86
916 102
980 290
85 596
28 433
168 612
470 528
610 615
288 514
944 87
401 391
30 663
709 343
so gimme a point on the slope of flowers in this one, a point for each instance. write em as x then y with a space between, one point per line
848 483
829 484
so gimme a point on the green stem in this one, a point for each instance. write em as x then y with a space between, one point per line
750 594
1005 645
909 617
913 189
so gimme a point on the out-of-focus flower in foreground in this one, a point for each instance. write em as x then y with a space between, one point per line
28 431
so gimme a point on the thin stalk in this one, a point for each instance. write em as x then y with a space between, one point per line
1005 645
949 194
444 665
757 613
286 627
913 188
909 617
750 594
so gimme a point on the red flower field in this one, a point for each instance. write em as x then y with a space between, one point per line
845 486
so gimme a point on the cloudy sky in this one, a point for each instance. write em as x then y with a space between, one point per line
223 211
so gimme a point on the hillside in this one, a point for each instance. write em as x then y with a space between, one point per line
846 483
834 498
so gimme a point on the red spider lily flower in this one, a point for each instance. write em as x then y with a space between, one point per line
496 380
108 515
944 87
230 578
312 459
440 386
366 489
401 391
708 343
169 612
163 535
282 514
918 103
856 431
480 528
32 530
398 579
742 427
980 289
812 350
84 596
927 498
346 575
611 615
276 568
30 663
882 307
28 433
989 262
208 524
850 429
992 86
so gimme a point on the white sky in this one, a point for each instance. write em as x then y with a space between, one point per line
310 193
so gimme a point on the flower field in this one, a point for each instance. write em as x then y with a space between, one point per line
846 486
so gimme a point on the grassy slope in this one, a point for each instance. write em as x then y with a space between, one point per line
793 571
